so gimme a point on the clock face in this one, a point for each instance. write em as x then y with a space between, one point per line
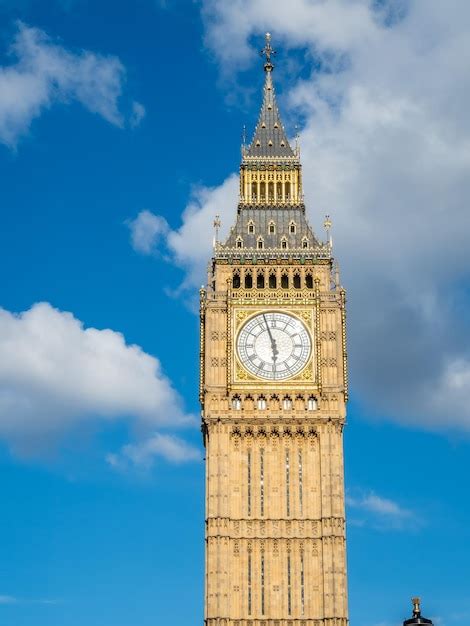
274 346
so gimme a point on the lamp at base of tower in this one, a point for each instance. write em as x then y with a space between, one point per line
417 618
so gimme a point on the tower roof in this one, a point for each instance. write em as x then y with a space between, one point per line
269 139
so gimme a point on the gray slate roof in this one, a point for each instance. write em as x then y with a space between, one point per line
270 139
261 218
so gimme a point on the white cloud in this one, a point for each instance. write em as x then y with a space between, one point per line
385 151
190 245
4 599
56 376
138 114
146 231
381 506
379 512
44 73
143 455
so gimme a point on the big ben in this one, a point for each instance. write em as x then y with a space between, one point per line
273 391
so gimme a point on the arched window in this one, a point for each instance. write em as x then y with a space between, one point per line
260 245
272 281
287 191
292 227
284 243
253 191
239 242
272 228
305 242
309 281
312 404
248 280
296 281
260 280
287 403
285 281
236 280
279 191
251 227
236 403
261 403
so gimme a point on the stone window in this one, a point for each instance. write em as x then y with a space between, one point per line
236 280
312 404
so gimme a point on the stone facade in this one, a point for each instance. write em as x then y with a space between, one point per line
275 520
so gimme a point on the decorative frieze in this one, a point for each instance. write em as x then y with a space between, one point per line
337 621
275 529
274 432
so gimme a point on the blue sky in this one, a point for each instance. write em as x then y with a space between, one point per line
120 127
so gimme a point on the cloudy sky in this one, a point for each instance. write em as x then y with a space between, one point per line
120 128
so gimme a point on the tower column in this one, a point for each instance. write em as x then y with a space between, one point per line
273 404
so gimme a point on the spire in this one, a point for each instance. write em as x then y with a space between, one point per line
270 139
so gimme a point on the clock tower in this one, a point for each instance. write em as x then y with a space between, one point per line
273 391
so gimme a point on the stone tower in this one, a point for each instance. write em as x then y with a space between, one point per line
273 391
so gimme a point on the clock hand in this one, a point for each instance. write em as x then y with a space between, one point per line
273 341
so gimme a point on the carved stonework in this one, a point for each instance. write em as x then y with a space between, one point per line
241 316
242 374
275 528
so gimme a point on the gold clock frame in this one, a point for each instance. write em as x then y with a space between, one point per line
238 312
242 317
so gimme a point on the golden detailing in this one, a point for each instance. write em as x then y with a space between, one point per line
275 518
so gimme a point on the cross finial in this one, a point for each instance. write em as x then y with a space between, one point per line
268 51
